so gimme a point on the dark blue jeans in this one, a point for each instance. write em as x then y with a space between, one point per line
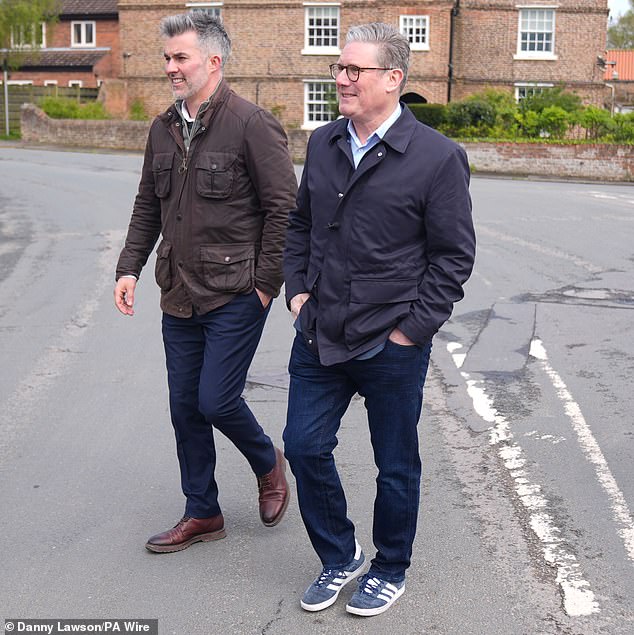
208 357
392 386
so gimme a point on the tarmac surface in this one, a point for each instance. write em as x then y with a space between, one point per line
525 523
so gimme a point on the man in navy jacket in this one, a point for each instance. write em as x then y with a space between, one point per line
377 251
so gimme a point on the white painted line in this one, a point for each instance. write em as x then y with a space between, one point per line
578 598
620 510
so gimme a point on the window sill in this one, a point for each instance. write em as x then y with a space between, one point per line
544 57
419 47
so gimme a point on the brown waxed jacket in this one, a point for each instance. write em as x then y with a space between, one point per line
221 208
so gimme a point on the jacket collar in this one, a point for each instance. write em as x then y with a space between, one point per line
397 137
209 107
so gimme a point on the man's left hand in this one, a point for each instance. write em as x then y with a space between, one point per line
398 337
265 298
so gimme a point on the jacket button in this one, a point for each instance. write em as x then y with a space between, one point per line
310 341
214 166
203 128
227 259
340 195
379 154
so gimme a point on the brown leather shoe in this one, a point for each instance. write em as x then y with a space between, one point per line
274 492
186 532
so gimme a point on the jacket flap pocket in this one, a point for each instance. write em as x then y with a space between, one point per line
162 161
163 250
215 161
383 291
227 254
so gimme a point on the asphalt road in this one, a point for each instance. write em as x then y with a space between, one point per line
526 522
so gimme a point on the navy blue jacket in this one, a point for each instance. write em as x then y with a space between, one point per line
387 245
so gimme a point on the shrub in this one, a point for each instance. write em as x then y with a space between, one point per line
554 121
65 108
60 107
538 102
434 115
472 114
527 123
137 111
502 102
596 121
623 128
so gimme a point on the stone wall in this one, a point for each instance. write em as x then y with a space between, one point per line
600 161
114 134
604 162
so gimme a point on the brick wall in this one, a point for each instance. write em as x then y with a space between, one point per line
266 65
113 134
583 161
487 41
604 162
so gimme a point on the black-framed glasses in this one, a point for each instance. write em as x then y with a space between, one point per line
352 70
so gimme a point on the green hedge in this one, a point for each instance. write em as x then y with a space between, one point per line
65 108
434 115
553 115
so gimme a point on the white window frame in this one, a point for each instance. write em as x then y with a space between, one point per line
520 85
536 55
83 43
314 123
213 8
418 22
20 82
32 43
311 49
78 83
50 82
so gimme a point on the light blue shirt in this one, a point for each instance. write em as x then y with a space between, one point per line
358 149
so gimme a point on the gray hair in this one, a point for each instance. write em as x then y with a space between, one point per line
393 46
212 37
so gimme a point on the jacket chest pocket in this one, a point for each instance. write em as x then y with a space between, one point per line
215 174
162 170
228 268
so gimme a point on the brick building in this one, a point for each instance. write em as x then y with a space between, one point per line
282 48
529 46
80 49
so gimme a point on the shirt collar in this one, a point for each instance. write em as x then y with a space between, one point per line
380 131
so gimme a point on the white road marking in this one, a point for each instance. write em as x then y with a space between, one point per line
620 510
545 437
578 598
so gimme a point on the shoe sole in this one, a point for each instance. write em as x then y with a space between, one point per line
377 611
279 517
212 535
324 605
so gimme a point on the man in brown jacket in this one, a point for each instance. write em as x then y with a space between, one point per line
217 185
